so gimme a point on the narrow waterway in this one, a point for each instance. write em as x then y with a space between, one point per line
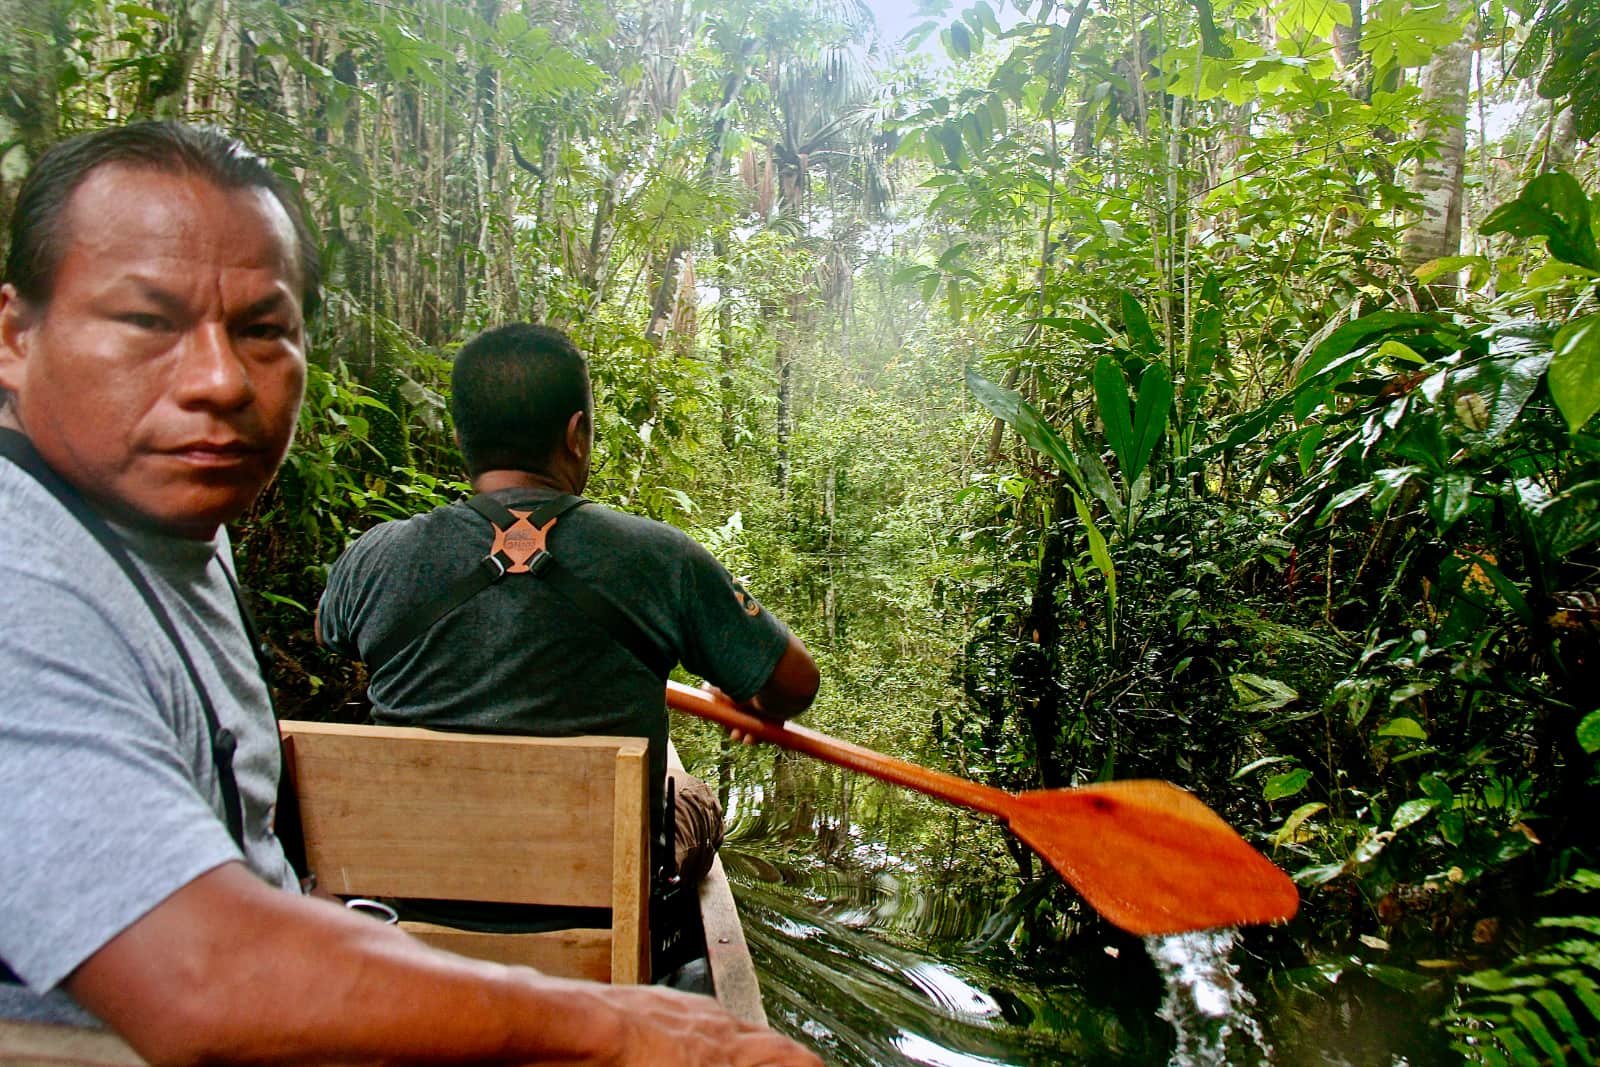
873 953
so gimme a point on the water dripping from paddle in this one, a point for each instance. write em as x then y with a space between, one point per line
1210 1010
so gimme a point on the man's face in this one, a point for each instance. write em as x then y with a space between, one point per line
163 378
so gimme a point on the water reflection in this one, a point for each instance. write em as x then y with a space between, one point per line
888 931
871 970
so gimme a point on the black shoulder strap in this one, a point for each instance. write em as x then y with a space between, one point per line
600 609
489 570
19 450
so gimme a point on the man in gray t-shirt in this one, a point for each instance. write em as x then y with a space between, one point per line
521 656
152 362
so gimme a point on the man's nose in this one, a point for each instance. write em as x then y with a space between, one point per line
211 371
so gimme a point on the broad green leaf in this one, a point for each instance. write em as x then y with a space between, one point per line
1098 479
1255 765
1387 484
1575 371
1289 831
1111 400
1552 206
1206 344
1451 499
1397 978
1409 690
1150 414
1589 732
1319 875
1256 693
1407 34
1454 264
1309 440
1399 350
1285 785
1485 398
1505 587
957 41
1313 18
1353 335
1009 406
139 11
1371 847
1410 812
1097 548
1344 500
1436 789
911 275
1137 323
1403 727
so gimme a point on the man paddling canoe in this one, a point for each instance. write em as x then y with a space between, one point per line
531 610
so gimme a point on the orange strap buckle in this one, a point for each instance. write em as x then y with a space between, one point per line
522 543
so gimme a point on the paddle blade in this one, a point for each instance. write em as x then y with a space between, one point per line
1151 857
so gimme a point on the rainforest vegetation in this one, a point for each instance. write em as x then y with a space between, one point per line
1102 388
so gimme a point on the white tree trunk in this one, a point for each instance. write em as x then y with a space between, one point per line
1446 82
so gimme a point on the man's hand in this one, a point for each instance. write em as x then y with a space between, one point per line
668 1027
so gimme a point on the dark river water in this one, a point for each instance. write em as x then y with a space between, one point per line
890 936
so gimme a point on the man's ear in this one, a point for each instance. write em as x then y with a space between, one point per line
16 318
579 439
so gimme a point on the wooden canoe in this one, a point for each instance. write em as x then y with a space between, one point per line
732 972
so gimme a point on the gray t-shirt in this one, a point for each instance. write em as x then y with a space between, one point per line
109 800
519 657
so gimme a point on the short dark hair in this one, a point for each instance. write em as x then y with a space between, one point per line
38 224
512 392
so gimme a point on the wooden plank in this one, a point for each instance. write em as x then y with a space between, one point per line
515 819
40 1045
630 865
733 972
576 953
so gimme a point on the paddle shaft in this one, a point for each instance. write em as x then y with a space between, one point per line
720 710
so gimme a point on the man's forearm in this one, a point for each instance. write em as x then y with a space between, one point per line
229 969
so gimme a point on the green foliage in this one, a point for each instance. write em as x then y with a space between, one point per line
1541 1008
1564 50
1552 206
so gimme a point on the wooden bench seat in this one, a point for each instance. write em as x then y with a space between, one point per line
407 813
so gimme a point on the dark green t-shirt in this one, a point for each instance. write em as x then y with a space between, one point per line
521 658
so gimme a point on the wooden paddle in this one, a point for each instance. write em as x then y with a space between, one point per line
1147 855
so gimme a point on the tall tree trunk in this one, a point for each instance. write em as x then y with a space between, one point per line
164 95
1347 47
726 353
791 190
667 280
1439 179
30 62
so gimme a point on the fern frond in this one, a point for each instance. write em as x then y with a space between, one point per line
1540 1010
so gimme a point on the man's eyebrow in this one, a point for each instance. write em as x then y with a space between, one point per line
172 304
273 301
169 302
